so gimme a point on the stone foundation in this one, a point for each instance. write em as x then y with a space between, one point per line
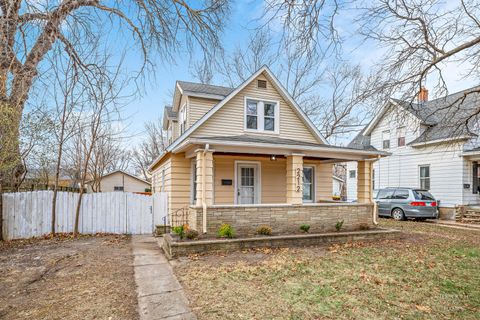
284 218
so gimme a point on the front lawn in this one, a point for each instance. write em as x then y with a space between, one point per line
433 273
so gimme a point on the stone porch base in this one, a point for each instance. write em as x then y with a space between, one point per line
284 218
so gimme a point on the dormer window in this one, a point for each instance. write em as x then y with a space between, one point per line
261 116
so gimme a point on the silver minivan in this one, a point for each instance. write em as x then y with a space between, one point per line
403 203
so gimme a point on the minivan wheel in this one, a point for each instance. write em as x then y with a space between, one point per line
398 214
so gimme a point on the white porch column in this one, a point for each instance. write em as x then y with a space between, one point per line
364 181
295 179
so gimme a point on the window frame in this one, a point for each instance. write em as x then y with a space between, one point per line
261 115
350 174
384 132
420 178
400 130
183 119
312 184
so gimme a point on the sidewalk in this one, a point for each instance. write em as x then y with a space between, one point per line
160 295
455 225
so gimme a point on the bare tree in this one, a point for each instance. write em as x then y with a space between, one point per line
30 29
107 156
148 150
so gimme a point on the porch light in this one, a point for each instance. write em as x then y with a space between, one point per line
273 157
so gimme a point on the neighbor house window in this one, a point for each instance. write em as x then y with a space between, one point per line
352 174
386 139
308 184
183 119
425 177
401 136
476 177
117 188
373 179
261 115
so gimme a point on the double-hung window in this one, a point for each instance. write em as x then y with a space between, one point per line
308 184
261 116
401 136
425 177
386 139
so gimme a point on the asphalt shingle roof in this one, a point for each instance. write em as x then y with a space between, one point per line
205 88
446 117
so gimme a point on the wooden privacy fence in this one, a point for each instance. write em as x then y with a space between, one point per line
28 214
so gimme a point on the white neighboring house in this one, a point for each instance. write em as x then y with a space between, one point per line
429 150
337 186
121 181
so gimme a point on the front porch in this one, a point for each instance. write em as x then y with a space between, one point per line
248 187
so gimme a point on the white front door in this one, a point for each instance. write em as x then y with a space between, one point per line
247 183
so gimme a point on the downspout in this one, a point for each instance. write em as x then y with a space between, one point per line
375 206
204 184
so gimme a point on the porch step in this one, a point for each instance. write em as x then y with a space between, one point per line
471 215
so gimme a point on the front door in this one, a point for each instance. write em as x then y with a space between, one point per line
247 184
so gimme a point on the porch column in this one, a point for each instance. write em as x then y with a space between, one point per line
364 181
295 179
204 177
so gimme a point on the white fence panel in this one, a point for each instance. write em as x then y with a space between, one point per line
28 214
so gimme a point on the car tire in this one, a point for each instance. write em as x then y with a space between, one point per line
398 214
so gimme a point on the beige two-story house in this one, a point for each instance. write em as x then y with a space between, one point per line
249 156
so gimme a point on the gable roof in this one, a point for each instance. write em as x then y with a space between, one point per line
125 173
446 118
190 87
168 114
233 93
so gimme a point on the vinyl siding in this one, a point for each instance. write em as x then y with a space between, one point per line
229 120
448 169
119 179
198 107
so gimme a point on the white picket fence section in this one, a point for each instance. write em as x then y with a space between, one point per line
28 214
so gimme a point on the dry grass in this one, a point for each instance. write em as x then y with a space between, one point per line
64 278
433 273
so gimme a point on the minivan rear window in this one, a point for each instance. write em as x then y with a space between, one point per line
423 195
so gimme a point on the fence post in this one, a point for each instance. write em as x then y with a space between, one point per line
1 213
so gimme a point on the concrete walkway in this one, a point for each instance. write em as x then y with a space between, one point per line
160 295
455 225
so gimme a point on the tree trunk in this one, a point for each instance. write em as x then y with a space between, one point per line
77 212
11 166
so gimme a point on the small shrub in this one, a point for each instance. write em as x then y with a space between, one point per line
305 228
364 226
339 225
180 230
191 234
264 230
226 231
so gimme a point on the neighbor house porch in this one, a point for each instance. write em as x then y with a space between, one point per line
282 186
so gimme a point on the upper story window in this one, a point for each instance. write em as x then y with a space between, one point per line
386 139
352 174
261 115
401 136
183 119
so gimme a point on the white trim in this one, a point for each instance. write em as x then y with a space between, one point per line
314 183
261 115
204 95
193 175
258 180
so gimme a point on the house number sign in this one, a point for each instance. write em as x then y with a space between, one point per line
298 180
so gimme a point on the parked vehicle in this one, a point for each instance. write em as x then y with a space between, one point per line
403 203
